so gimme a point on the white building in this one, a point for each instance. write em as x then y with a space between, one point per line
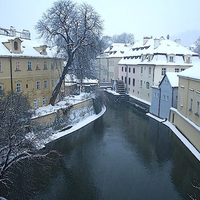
148 61
108 61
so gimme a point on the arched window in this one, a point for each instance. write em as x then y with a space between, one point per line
147 85
15 45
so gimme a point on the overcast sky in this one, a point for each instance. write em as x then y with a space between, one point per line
139 17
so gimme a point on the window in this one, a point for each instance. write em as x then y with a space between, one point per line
191 97
122 69
45 65
18 87
0 66
182 69
44 101
164 97
133 70
149 58
129 81
133 82
52 65
17 65
182 91
125 69
37 65
52 83
176 69
125 79
149 71
141 70
122 78
15 46
197 110
147 85
129 70
45 84
171 58
36 103
198 103
163 71
187 59
140 83
1 90
29 66
38 85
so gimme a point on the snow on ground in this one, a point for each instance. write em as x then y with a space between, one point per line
69 100
77 126
58 134
78 119
179 135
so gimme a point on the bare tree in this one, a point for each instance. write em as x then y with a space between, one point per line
124 38
69 26
15 123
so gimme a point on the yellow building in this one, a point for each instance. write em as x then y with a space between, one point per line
187 116
26 66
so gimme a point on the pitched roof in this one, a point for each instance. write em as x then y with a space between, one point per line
117 50
173 78
159 48
192 72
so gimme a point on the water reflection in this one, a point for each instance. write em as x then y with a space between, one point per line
123 155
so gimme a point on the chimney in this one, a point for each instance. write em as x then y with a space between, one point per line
178 41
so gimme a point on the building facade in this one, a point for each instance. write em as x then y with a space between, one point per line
108 62
165 96
148 61
27 67
187 115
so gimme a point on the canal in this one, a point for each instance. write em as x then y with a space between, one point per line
124 155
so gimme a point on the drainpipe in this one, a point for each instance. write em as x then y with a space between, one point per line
159 102
126 78
11 76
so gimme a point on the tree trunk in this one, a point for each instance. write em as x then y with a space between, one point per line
59 84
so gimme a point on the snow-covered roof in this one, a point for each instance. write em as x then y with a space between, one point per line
27 48
117 50
173 78
192 72
158 49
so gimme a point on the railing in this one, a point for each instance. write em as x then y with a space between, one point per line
25 34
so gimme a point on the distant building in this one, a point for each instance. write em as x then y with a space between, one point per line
148 61
165 96
108 61
27 67
187 115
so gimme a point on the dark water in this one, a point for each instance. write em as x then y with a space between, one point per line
123 155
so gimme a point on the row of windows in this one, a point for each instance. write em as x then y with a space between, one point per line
129 70
169 58
37 101
30 65
194 100
163 71
133 82
38 85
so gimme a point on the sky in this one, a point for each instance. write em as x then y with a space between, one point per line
140 17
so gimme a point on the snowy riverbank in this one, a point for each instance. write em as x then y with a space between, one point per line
187 143
41 143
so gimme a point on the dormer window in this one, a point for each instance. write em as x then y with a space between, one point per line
171 58
15 45
187 59
149 57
